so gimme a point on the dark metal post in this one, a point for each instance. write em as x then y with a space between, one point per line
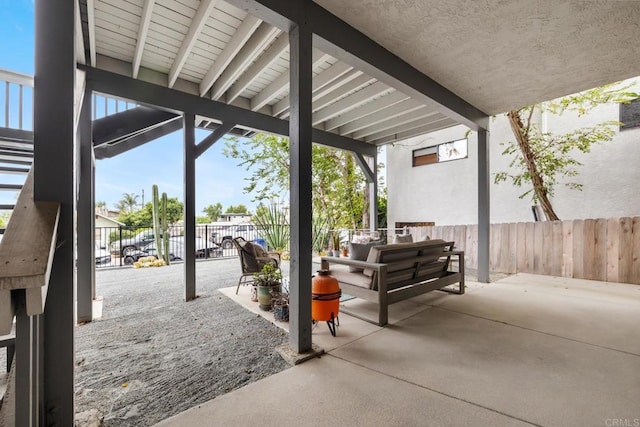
373 193
189 206
86 215
54 135
206 241
300 178
484 217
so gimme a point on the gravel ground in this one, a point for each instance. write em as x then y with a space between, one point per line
152 355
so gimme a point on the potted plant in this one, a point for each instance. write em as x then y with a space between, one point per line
267 280
280 306
335 240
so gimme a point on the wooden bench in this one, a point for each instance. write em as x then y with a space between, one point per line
397 272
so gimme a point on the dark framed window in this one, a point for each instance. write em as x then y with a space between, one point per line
445 152
630 115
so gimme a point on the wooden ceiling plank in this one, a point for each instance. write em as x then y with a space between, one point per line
265 60
281 84
242 35
145 20
260 39
203 13
350 102
395 110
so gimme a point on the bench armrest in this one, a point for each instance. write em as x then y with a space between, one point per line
325 261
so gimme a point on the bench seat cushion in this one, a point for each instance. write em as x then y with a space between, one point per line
342 273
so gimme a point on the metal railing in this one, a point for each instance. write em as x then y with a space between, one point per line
121 246
17 86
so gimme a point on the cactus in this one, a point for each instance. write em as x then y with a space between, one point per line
160 225
165 228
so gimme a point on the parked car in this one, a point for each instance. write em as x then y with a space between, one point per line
176 250
224 236
103 257
137 242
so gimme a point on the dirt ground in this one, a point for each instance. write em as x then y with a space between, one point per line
152 355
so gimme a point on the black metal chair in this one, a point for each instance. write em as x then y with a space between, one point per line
252 258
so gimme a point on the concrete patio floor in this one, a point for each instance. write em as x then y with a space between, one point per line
525 350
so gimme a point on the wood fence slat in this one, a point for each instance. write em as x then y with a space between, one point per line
635 271
521 247
567 248
578 234
513 247
625 255
557 258
613 250
494 258
473 249
530 231
547 247
538 240
468 245
600 250
588 249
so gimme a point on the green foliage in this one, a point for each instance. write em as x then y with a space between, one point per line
144 217
114 236
101 204
202 220
319 232
4 219
338 184
272 224
268 276
213 212
128 203
240 209
542 160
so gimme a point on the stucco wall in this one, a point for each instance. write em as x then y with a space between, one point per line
446 193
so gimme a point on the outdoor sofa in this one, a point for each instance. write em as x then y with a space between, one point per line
395 272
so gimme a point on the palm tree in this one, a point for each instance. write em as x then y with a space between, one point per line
128 203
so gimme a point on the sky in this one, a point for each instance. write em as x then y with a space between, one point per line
218 179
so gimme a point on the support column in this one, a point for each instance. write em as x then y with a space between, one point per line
54 153
484 212
373 192
300 180
189 206
86 283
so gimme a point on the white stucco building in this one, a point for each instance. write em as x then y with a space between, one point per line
446 192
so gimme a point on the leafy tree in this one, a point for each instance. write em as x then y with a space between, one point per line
101 204
144 217
213 212
128 203
4 219
339 186
543 159
202 220
239 209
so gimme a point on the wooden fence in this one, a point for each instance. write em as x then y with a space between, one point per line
595 249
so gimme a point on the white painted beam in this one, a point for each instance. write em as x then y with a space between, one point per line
239 38
80 55
145 20
323 78
419 114
350 102
265 60
352 81
396 110
197 24
91 25
365 110
409 131
249 52
281 83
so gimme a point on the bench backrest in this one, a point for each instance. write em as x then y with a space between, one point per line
411 262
